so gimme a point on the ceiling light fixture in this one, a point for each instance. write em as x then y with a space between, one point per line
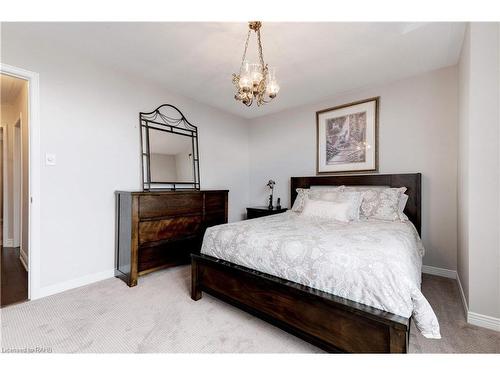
255 82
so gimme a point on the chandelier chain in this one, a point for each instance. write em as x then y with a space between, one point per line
261 55
245 51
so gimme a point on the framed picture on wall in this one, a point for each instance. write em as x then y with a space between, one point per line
347 137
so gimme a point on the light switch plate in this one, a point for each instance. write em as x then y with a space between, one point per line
50 159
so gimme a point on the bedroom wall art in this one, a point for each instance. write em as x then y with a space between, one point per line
347 137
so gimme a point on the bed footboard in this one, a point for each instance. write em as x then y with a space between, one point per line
332 323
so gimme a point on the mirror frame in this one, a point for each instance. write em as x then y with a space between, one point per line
162 119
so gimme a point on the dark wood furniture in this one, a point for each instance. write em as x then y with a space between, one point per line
328 321
159 229
259 211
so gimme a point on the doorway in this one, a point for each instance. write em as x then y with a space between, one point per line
14 270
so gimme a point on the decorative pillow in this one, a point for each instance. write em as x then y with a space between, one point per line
402 204
354 198
379 202
302 194
298 205
327 210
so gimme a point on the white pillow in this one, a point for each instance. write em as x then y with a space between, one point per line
354 198
327 210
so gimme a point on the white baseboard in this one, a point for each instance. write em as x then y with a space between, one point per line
75 283
473 318
476 319
484 321
451 274
8 242
23 257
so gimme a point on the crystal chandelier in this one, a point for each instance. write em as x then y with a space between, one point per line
255 82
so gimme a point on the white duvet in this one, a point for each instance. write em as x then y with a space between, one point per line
376 263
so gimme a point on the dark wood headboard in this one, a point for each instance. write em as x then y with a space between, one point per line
412 181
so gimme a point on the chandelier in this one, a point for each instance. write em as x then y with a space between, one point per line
255 82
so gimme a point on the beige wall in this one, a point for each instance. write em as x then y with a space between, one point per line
418 133
479 169
7 118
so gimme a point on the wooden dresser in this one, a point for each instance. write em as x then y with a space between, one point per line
160 229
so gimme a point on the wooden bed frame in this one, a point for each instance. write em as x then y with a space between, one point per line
332 323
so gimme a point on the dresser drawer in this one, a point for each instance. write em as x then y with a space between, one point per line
168 229
167 254
215 219
215 201
151 206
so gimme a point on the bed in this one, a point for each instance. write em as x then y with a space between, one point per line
345 288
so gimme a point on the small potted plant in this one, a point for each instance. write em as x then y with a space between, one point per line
270 185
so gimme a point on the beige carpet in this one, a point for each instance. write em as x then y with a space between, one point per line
159 316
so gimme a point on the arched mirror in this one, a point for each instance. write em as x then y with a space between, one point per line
170 159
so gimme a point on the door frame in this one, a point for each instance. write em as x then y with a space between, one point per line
34 162
17 181
4 139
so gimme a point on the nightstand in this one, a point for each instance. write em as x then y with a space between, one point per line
259 211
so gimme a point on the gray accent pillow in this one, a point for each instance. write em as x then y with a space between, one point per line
379 202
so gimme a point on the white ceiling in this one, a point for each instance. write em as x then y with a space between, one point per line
10 87
313 60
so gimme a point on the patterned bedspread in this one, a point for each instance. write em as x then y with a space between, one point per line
376 263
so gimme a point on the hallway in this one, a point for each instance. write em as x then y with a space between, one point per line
14 277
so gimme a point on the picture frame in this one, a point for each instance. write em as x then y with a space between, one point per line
347 138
